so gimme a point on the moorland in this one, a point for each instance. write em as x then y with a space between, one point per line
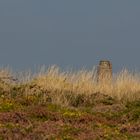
52 104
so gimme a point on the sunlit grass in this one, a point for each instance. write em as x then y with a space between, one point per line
124 86
65 87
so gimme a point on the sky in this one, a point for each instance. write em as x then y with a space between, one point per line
69 33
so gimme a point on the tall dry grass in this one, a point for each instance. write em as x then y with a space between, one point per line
60 85
124 86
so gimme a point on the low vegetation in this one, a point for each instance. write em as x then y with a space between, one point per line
66 105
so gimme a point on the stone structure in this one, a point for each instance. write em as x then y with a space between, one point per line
104 71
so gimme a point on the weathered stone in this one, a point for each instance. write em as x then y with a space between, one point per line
104 71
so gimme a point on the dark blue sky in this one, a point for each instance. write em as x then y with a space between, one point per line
69 33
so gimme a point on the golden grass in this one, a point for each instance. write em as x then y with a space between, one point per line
125 85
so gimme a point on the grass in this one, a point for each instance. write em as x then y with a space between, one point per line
55 104
67 87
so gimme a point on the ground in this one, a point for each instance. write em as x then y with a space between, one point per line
70 106
107 119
